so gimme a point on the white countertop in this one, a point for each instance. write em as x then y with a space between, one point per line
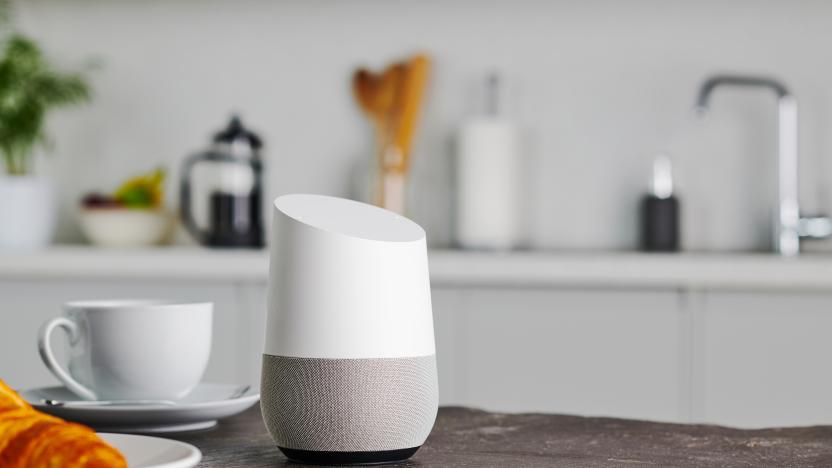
171 263
448 268
634 270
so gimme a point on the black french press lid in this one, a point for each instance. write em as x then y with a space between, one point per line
236 131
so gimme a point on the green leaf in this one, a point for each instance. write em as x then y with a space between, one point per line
29 88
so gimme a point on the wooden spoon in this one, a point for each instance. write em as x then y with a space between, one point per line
379 97
389 90
364 84
413 88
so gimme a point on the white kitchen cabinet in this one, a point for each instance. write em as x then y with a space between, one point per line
446 305
741 340
762 359
592 352
587 352
239 321
27 304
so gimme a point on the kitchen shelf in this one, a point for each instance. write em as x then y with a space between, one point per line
739 271
153 263
449 268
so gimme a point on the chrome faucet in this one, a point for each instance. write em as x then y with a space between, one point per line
789 226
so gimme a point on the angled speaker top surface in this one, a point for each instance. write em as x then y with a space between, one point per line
347 280
349 218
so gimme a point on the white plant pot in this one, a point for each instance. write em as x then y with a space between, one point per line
27 212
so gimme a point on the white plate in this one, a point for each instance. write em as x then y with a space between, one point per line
153 452
201 409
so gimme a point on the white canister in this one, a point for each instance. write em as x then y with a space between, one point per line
27 212
487 180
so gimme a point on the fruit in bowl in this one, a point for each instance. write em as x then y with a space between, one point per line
133 216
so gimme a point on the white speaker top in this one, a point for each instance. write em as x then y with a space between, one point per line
348 217
347 280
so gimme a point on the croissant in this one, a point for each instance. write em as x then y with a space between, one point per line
29 438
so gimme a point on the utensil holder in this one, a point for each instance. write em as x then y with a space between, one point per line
391 179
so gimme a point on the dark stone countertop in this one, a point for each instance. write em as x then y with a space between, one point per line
471 438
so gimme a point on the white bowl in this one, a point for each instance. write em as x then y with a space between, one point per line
125 227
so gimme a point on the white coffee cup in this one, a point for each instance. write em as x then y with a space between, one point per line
131 349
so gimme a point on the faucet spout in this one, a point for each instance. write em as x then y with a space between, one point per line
713 82
787 230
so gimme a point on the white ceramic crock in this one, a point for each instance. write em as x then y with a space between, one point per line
27 212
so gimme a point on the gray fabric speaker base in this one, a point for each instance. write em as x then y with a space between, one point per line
349 405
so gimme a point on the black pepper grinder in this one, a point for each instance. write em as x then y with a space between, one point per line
231 169
660 211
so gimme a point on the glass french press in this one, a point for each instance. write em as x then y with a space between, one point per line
229 174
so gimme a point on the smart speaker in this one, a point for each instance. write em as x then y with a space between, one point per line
349 366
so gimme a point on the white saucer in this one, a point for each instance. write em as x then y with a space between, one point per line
201 409
153 452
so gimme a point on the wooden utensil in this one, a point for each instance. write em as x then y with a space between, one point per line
378 97
413 88
365 86
392 101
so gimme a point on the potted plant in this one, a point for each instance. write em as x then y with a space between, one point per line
30 87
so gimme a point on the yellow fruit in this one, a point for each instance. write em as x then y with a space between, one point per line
142 191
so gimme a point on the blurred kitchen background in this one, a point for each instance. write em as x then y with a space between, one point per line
574 317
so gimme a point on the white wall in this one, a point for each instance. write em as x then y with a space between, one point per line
599 85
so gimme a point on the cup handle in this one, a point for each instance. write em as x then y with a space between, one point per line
48 357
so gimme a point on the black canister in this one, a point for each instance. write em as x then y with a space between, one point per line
660 211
